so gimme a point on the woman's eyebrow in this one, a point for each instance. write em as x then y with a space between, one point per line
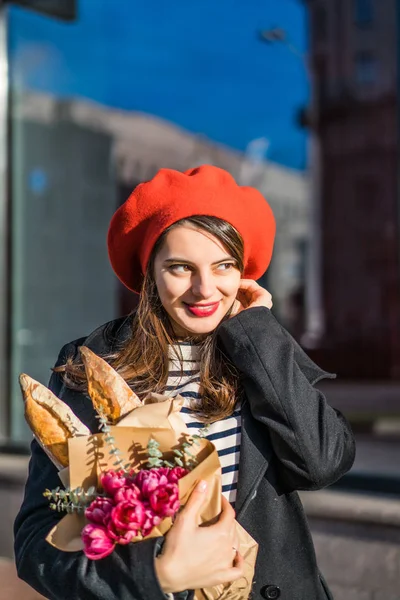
189 262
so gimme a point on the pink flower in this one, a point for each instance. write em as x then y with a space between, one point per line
128 516
119 536
148 480
127 494
96 542
99 510
163 471
165 500
111 481
176 473
151 521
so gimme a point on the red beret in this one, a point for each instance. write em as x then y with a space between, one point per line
170 196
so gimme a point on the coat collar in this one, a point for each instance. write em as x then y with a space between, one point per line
106 338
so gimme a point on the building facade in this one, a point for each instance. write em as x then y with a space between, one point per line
354 66
64 195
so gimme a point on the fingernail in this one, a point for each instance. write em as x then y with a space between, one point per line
201 486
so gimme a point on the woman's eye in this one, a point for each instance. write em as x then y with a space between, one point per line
179 268
225 266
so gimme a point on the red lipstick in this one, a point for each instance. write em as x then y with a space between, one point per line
202 310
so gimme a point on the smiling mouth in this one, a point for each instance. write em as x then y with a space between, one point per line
202 310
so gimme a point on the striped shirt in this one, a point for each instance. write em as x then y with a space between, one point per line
184 379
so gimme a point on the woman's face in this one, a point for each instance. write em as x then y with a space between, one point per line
197 280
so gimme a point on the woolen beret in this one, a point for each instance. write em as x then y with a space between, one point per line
171 196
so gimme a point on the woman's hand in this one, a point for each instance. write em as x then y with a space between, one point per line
251 294
195 557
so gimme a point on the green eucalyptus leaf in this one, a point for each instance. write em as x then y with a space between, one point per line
74 497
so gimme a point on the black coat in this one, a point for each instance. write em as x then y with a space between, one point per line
291 440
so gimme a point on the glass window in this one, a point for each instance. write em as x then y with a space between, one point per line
364 12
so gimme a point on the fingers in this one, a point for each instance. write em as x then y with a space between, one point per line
236 571
246 284
227 513
246 290
250 293
250 287
236 542
226 526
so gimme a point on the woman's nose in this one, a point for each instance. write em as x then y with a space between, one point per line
203 285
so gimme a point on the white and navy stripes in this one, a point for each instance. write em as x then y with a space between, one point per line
184 379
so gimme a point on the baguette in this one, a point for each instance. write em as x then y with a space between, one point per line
50 419
111 395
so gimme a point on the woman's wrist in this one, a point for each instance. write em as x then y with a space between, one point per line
163 573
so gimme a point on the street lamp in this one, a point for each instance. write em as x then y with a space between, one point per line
314 307
276 34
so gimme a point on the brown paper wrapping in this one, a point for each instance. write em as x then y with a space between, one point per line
240 589
159 419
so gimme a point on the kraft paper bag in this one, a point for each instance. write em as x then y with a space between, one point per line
89 456
159 419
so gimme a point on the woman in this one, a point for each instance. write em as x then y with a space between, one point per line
193 244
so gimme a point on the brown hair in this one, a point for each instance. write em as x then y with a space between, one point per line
143 359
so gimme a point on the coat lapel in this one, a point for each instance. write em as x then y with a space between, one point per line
255 454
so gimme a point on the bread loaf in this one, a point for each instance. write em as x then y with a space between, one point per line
50 419
111 395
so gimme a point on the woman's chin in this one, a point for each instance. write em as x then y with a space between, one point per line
197 325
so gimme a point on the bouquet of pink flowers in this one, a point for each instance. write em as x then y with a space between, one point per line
128 482
126 503
132 505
